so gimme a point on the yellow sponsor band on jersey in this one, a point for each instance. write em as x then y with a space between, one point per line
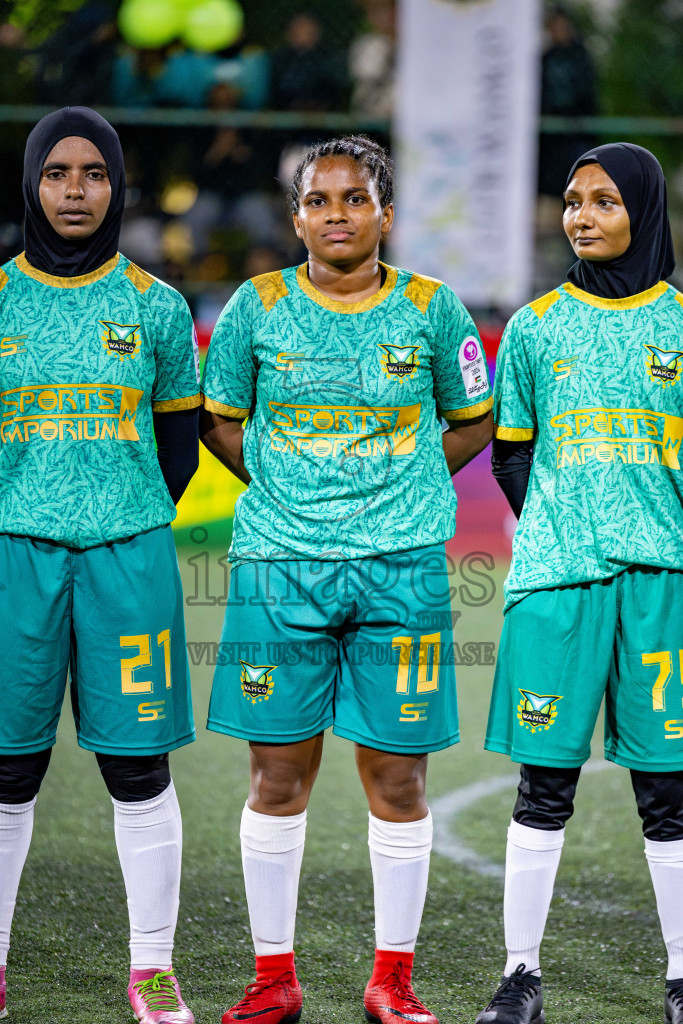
78 412
326 431
618 435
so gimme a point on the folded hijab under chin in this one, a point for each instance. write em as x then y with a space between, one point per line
45 248
650 256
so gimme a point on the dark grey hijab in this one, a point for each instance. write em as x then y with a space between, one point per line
45 248
650 256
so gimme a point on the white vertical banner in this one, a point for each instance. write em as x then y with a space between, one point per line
465 134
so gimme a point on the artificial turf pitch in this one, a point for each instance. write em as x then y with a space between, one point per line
603 956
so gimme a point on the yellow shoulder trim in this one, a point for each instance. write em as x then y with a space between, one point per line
629 302
271 288
335 305
233 412
513 433
3 279
139 277
542 305
178 404
470 411
421 290
25 267
678 297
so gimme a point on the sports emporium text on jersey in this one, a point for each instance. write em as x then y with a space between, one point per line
80 412
328 430
618 435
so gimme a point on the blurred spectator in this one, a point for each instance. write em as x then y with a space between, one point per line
168 77
245 68
178 77
16 86
16 72
305 73
186 79
567 90
235 204
135 81
75 63
371 61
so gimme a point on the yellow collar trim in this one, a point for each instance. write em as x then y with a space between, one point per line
629 302
304 283
25 267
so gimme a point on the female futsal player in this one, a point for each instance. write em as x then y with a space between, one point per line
339 598
96 358
589 377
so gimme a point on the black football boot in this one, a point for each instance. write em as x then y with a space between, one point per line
519 1000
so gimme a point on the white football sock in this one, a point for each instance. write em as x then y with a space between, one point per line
531 863
272 848
149 840
399 855
666 870
16 826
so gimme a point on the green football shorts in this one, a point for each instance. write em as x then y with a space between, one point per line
113 616
364 645
561 650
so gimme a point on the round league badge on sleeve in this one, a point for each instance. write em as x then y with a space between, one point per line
473 367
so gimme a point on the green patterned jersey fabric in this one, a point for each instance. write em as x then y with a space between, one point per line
83 361
343 442
597 383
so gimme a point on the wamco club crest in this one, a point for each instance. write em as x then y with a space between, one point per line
664 366
399 362
121 340
256 681
537 710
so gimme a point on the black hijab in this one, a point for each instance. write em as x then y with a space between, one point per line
650 256
45 249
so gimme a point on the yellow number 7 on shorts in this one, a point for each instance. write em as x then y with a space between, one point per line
666 667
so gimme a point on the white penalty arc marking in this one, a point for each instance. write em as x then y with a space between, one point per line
445 810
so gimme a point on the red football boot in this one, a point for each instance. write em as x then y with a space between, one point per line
393 1000
272 1001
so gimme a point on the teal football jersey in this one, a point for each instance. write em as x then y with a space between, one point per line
343 442
83 362
597 384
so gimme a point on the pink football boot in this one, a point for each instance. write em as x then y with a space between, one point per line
157 1000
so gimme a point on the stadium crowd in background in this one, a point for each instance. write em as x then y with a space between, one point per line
204 204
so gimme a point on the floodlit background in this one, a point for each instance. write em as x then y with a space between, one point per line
485 104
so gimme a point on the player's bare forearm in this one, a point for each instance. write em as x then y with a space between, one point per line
465 439
223 437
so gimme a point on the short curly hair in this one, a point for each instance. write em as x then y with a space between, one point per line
360 148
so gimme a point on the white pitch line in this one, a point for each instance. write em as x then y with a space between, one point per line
445 810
